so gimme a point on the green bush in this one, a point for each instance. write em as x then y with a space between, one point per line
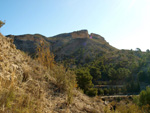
144 97
136 100
64 80
84 80
100 92
91 92
143 100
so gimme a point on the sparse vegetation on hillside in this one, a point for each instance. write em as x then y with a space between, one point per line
44 56
26 86
100 69
1 23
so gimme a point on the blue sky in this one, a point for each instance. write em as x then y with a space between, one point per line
125 24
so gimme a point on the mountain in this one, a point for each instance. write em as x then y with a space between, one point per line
80 49
28 43
78 45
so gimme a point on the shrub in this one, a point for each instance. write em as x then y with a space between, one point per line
143 100
130 108
100 92
65 81
136 100
14 101
91 92
144 97
44 56
1 23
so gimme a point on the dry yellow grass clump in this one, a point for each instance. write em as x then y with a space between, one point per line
31 86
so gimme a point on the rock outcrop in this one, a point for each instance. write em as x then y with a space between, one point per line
28 43
80 34
96 36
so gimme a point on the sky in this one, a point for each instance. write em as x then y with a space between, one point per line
125 24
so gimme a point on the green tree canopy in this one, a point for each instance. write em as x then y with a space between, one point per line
145 97
84 79
112 73
123 73
96 74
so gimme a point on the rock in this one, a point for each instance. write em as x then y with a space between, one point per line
80 34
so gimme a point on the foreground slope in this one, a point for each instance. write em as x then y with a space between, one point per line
26 86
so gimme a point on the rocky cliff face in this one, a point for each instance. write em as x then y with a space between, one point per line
96 36
28 43
66 45
80 34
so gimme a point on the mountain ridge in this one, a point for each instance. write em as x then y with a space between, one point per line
77 45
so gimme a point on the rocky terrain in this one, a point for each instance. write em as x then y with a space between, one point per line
26 86
79 45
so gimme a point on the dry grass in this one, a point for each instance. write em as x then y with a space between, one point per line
13 99
64 80
44 56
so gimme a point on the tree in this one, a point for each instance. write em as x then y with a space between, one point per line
84 80
142 76
106 91
138 49
144 98
111 91
91 92
147 50
148 74
96 74
1 23
123 73
112 74
137 87
100 92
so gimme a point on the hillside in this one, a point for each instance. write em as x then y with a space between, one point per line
91 52
27 87
79 45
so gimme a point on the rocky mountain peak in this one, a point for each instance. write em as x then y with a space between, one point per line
96 36
75 34
80 34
